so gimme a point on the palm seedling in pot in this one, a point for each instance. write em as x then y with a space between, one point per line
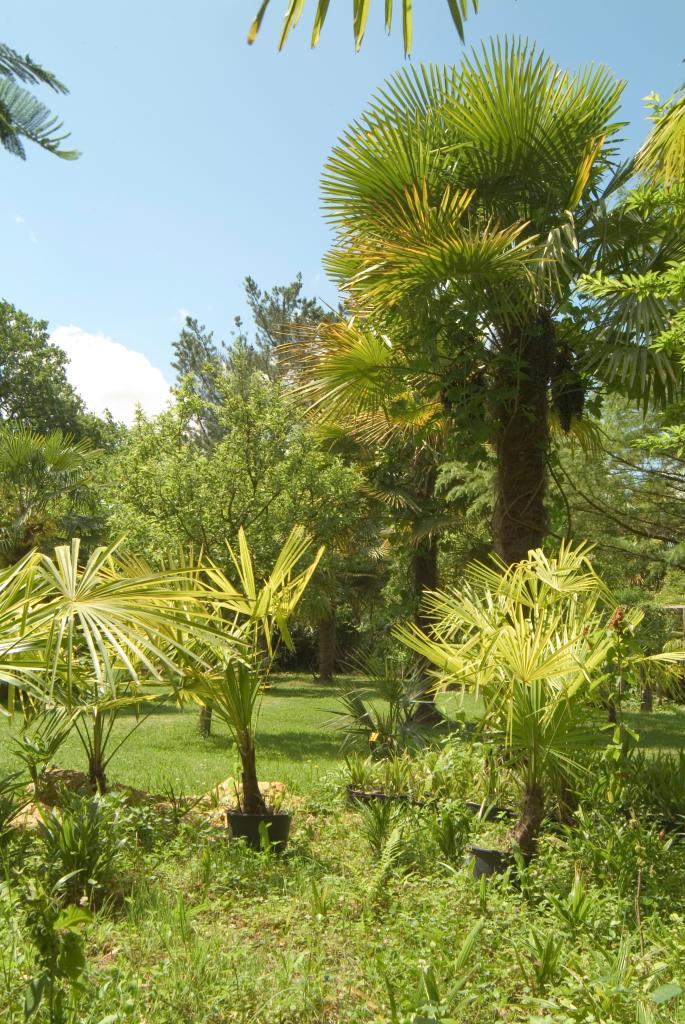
532 640
256 618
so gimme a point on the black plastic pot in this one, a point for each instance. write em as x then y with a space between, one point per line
247 827
366 796
489 813
668 825
490 862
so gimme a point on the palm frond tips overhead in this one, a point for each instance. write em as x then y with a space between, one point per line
458 10
23 117
24 69
662 158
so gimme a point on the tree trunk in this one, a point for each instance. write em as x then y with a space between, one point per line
96 774
327 647
612 715
526 831
205 722
252 799
425 571
521 438
647 701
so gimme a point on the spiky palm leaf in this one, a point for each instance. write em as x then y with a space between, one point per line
662 158
458 9
113 615
22 636
467 176
260 612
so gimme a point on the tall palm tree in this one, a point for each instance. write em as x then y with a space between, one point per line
22 115
458 9
466 203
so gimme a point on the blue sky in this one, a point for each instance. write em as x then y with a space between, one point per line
202 156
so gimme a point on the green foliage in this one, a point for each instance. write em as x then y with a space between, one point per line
79 849
22 116
42 478
12 801
34 391
458 9
450 829
265 474
378 824
382 716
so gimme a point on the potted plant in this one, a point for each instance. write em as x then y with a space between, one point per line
532 640
381 716
369 779
235 701
233 681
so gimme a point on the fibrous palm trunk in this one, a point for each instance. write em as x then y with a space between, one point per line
521 438
252 799
532 814
205 722
96 755
327 646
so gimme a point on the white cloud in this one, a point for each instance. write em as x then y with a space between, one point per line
19 219
108 375
183 314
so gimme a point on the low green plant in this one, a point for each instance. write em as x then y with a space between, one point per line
432 1002
450 828
37 749
13 800
56 934
382 715
360 773
79 847
540 962
377 820
575 909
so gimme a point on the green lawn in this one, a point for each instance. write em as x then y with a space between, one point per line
297 742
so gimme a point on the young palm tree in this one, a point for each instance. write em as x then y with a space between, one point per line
532 640
230 678
107 625
466 203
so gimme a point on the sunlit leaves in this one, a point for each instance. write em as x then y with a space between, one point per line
662 158
458 9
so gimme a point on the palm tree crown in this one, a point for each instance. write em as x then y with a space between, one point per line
465 203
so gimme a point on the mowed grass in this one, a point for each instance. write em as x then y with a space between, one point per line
297 740
297 744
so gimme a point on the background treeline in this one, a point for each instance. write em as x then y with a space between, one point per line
399 511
